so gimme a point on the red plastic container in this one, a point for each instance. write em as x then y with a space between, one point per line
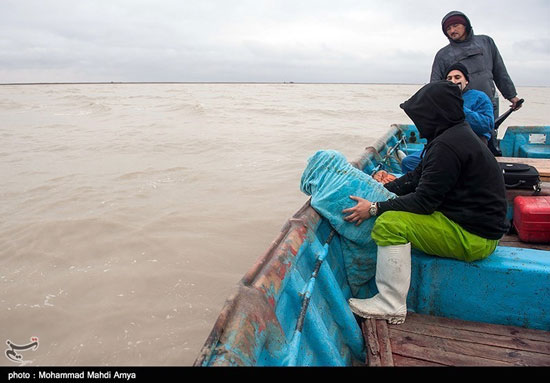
532 218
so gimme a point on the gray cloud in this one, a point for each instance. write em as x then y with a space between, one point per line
534 48
262 40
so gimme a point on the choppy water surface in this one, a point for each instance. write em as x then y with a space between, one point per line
130 211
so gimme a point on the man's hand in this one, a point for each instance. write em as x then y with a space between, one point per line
514 102
359 212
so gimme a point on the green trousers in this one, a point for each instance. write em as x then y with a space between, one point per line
433 234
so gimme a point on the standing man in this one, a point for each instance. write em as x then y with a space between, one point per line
478 110
480 55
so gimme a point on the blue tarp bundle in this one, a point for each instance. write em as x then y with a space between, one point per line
330 180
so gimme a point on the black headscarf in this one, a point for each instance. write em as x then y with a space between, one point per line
460 67
436 107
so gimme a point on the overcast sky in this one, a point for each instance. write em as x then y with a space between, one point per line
365 41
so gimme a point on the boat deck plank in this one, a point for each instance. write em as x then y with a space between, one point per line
512 240
425 340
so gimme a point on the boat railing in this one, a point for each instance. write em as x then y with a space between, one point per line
386 153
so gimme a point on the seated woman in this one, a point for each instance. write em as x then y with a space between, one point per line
452 205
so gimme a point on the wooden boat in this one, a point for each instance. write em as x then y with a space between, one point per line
291 309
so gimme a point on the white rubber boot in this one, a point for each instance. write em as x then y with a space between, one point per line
393 278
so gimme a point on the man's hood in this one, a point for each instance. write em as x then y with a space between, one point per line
436 107
469 30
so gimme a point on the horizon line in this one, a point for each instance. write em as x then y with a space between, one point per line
201 82
223 82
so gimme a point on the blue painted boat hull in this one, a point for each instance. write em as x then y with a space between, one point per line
257 324
511 287
291 307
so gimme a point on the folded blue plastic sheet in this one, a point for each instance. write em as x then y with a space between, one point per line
330 180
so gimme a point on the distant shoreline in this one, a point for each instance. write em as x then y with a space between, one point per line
202 82
222 83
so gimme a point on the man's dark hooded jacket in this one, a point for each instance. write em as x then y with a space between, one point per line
481 57
458 175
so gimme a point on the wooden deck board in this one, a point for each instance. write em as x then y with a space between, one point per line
403 361
485 328
425 340
513 342
371 341
512 240
436 350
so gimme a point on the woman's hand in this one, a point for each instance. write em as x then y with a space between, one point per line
383 177
359 212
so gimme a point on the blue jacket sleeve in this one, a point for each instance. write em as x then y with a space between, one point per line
479 112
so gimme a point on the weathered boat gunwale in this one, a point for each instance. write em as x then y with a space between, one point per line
305 216
379 146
